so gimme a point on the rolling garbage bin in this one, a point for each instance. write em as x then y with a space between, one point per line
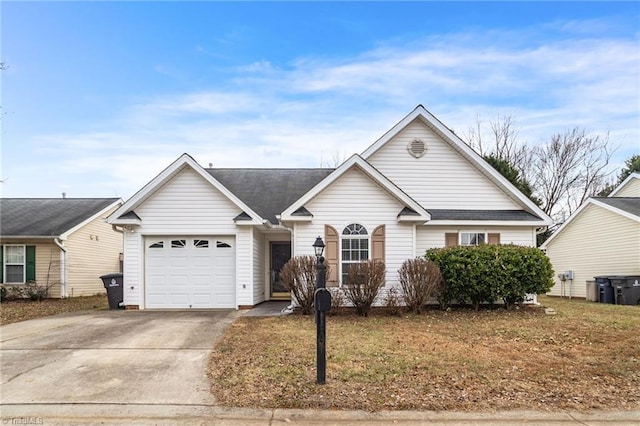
113 283
626 289
592 291
605 291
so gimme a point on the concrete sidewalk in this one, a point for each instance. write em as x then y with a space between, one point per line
168 414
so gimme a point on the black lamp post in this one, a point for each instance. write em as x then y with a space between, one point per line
322 303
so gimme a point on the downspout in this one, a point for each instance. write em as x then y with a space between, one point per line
63 267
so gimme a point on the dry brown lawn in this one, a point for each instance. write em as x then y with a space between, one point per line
22 310
585 357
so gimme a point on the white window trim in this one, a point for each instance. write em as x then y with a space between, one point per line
343 237
5 263
486 236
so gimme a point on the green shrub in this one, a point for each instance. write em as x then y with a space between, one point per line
488 273
3 294
420 280
364 281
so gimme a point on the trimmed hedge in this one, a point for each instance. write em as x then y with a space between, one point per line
489 273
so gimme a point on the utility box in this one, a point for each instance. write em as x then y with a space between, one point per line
605 290
592 291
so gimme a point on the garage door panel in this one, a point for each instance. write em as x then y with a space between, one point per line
190 272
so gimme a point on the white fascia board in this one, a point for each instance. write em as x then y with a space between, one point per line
590 201
501 223
410 218
461 147
632 176
356 161
173 169
66 234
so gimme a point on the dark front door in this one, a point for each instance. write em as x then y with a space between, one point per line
280 254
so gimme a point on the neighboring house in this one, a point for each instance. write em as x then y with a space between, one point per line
62 243
217 238
602 237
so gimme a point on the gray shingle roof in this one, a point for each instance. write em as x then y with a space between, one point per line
52 217
628 204
269 192
516 215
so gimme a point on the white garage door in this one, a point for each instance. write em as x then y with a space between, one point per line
189 272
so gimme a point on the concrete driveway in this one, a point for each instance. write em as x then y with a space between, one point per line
134 357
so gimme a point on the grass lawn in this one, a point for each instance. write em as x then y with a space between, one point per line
587 356
22 310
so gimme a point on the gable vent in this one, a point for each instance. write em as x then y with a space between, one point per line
417 148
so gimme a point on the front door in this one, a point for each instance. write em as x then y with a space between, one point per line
280 254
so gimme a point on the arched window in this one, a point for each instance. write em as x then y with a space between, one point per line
355 247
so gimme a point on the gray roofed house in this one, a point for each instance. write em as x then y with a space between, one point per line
47 217
64 244
601 238
198 237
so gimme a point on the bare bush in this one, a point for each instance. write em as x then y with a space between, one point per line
299 277
364 281
420 280
392 302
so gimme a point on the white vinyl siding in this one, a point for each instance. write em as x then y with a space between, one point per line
260 255
244 266
442 178
355 198
92 251
187 204
596 242
433 236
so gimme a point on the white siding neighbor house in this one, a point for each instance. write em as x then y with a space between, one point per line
199 237
602 237
64 244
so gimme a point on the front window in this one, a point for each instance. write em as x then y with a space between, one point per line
355 247
14 264
472 238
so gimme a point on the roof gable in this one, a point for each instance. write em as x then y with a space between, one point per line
630 187
49 217
122 215
357 162
626 207
500 186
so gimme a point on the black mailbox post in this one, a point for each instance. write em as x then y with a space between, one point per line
322 303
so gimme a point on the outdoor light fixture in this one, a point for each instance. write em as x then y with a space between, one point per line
318 247
322 304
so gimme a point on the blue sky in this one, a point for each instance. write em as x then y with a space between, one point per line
99 97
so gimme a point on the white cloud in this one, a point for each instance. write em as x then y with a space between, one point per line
269 116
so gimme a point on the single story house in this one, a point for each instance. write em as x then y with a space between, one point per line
62 243
198 237
602 237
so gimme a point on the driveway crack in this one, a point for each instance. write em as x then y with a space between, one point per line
24 372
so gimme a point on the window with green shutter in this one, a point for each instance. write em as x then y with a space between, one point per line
18 263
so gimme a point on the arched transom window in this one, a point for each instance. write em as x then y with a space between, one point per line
355 247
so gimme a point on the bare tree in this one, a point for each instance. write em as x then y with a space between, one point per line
569 169
500 141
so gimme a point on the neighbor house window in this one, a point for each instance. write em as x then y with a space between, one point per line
14 264
355 247
472 238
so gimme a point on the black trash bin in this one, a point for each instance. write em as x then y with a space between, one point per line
605 290
114 284
626 289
